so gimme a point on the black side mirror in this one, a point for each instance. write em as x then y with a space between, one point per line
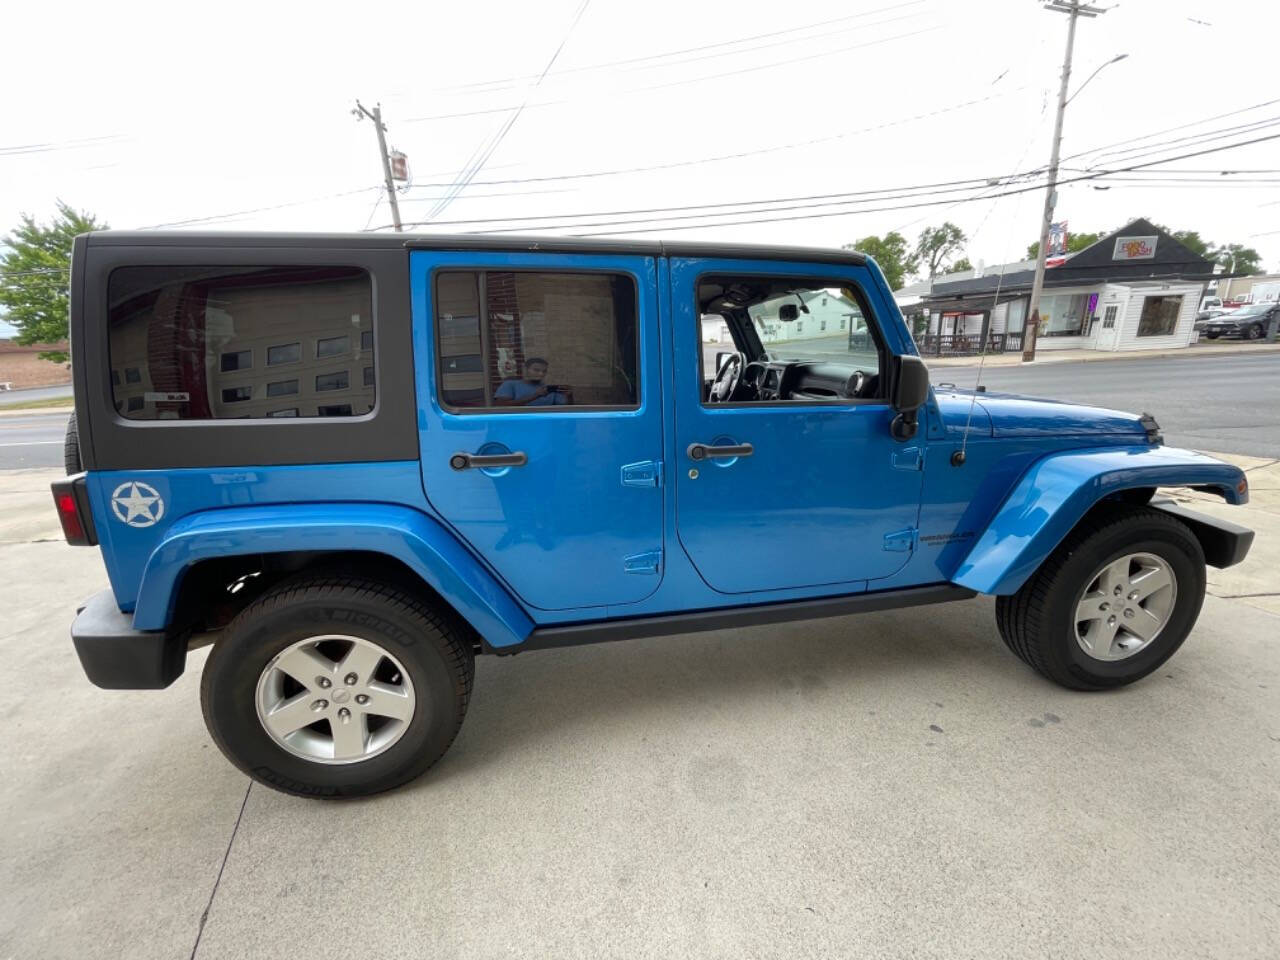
788 312
910 393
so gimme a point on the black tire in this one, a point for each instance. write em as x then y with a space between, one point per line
71 448
435 650
1212 336
1256 332
1038 622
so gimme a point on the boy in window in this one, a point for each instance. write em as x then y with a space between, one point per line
530 391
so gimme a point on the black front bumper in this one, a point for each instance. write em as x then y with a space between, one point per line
1224 543
117 657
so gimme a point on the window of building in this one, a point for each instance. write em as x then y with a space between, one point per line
237 360
368 376
1109 317
366 340
284 353
335 410
542 340
286 412
331 381
115 378
1063 315
135 403
333 346
194 328
1159 316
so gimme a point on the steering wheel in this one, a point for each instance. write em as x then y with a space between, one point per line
727 378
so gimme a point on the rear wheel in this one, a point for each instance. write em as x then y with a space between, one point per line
1255 332
1112 603
336 686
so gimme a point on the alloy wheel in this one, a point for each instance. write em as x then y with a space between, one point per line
1125 606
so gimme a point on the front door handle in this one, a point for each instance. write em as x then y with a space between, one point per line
480 461
704 451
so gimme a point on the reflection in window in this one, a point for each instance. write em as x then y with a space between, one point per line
189 334
331 381
332 346
286 412
335 410
284 353
1159 316
366 340
542 340
368 376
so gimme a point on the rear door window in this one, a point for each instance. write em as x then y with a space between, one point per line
199 343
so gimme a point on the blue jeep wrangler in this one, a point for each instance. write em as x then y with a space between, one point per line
353 463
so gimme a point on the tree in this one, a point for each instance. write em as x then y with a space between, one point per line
34 274
961 264
937 244
892 255
1075 243
1237 258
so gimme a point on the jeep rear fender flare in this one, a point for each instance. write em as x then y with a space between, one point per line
409 536
1058 490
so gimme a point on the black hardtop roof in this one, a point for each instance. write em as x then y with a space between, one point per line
464 241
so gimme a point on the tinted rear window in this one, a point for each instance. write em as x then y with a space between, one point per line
196 342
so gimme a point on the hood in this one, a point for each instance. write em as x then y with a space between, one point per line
1013 416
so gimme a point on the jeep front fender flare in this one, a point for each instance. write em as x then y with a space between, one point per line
419 542
1058 490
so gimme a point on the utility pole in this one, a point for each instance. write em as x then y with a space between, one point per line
376 116
1074 9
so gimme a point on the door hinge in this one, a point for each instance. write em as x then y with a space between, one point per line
900 540
649 563
646 473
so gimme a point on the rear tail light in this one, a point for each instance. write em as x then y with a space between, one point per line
71 497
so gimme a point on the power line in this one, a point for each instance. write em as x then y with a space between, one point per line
814 216
470 172
1174 129
512 81
755 68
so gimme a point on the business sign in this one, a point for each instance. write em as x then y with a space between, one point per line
399 165
1057 245
1135 248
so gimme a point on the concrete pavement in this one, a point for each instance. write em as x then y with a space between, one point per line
889 785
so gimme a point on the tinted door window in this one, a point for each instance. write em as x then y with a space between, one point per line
186 338
541 341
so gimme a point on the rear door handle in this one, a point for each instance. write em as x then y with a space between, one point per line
703 451
479 461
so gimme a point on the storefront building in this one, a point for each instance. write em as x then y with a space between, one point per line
1136 289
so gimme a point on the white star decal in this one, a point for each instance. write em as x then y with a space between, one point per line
137 504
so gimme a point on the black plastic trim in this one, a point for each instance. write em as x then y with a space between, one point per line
111 442
117 657
1224 543
665 625
474 242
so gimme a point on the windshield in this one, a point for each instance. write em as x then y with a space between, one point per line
1250 311
828 324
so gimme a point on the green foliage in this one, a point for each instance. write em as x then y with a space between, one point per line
936 245
1237 258
961 264
1075 243
35 273
892 255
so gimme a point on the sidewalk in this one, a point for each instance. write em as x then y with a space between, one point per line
1014 358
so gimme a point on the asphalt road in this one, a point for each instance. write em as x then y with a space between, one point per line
33 440
1228 403
10 397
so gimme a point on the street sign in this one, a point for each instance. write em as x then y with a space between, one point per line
399 166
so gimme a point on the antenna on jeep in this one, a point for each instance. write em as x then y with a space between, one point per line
958 458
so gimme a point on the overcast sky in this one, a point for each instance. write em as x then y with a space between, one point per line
150 114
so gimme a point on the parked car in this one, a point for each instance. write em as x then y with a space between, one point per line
1251 322
1212 313
351 464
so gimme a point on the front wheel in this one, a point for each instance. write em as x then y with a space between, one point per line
1112 603
337 686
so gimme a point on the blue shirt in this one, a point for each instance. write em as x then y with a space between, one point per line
519 390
